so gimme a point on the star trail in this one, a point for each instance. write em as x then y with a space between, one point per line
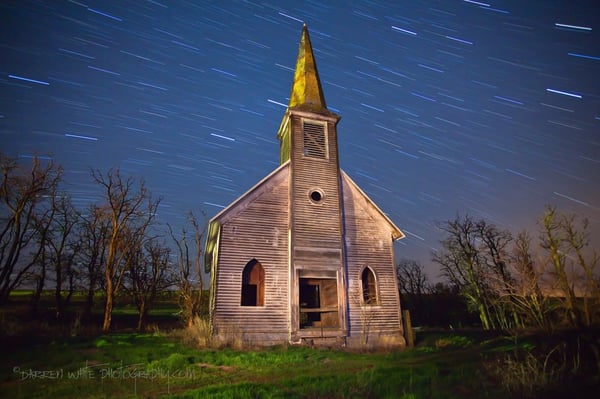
448 107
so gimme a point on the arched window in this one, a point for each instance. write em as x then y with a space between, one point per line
369 287
253 284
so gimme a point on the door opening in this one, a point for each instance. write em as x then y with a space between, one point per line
318 303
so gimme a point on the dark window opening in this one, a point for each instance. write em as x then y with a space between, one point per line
253 284
369 287
318 303
316 196
314 140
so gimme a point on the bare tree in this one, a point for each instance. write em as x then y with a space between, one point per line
414 287
91 252
475 259
59 248
412 278
462 264
131 211
565 237
37 274
577 238
189 269
527 296
554 243
495 255
366 311
148 276
24 197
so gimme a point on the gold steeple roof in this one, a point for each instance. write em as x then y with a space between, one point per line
306 91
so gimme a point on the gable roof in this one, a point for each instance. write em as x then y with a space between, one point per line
271 180
350 187
211 251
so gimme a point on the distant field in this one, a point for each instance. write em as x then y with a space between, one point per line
164 313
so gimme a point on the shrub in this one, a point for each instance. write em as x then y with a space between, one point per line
197 335
529 374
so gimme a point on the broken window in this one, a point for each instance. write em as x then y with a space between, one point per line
369 287
318 303
253 284
315 143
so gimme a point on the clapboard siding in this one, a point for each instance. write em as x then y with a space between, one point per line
369 243
311 222
316 227
259 231
305 244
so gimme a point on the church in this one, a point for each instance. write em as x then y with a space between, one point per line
304 256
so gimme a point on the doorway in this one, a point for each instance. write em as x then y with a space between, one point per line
318 299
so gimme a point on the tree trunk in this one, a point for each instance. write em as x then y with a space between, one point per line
108 307
39 288
58 289
107 314
89 301
71 288
142 316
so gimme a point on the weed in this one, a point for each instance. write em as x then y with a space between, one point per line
196 335
173 362
528 374
453 341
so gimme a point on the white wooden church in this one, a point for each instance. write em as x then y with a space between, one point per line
305 256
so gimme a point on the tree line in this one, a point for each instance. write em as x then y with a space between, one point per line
115 246
514 281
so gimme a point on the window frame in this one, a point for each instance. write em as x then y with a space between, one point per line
253 269
366 294
305 149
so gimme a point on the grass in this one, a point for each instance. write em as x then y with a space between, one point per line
145 365
45 359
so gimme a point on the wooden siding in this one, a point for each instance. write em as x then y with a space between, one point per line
305 221
369 242
256 228
316 228
315 225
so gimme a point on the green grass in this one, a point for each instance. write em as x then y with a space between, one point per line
42 358
144 365
165 312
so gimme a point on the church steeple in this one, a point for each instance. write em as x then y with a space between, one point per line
307 101
307 94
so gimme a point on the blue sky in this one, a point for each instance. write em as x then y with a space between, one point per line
448 107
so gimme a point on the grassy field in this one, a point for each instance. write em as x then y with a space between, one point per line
151 365
42 359
158 366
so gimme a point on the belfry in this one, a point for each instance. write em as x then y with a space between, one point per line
305 256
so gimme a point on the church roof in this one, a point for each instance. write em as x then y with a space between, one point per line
281 176
351 189
307 94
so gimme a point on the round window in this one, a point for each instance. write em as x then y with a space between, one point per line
316 196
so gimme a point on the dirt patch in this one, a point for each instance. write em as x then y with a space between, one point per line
212 366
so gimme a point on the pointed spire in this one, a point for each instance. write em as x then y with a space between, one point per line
306 90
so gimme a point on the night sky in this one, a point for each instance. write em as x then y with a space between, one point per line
449 107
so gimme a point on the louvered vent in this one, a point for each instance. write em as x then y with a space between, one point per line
315 144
